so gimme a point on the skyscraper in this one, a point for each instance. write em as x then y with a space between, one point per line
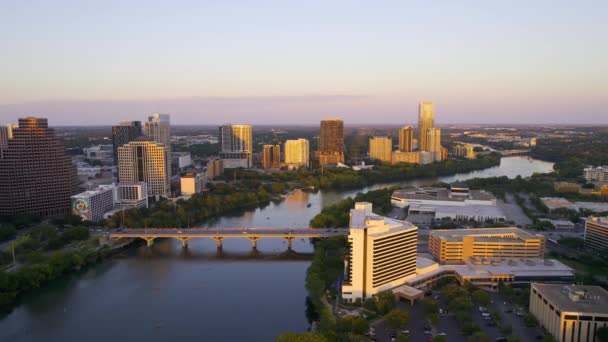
235 145
406 139
381 148
158 128
36 174
4 136
297 152
331 143
123 133
271 156
433 140
143 160
426 120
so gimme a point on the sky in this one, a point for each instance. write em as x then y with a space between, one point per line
295 62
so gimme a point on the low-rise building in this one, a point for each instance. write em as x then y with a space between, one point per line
559 224
131 195
405 157
382 253
192 183
451 246
91 205
567 187
102 153
570 313
596 234
181 160
596 174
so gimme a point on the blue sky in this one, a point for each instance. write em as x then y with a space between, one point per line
206 62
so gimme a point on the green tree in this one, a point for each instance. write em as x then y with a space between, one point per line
385 302
397 318
479 337
439 339
602 334
481 297
303 337
7 232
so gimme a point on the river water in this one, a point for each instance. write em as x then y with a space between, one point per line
198 294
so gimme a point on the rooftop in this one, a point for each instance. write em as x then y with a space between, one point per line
442 194
487 234
575 298
361 218
470 210
100 189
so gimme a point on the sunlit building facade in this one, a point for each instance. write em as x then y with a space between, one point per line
406 139
433 141
236 145
405 157
466 151
596 234
426 120
331 142
158 128
297 152
143 160
271 156
123 133
381 148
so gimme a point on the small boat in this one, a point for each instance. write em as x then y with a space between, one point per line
308 205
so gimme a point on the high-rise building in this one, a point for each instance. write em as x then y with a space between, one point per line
426 120
271 156
4 136
596 234
215 168
466 151
158 128
406 139
91 205
381 148
143 160
235 145
331 142
433 141
124 132
36 174
297 152
382 253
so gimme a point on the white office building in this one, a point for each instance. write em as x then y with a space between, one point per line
131 195
91 205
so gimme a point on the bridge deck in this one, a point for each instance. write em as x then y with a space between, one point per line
228 232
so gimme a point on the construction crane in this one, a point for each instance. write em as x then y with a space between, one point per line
276 136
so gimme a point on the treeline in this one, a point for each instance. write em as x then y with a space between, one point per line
337 215
591 149
222 199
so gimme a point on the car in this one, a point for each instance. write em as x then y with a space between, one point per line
485 314
436 297
487 317
405 332
179 232
442 334
428 332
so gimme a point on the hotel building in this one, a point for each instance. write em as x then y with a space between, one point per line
143 160
570 313
235 145
297 152
331 142
596 234
456 245
381 148
382 253
406 139
91 205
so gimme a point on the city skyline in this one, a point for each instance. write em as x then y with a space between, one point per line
273 62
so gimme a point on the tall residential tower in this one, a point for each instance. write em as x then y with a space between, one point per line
123 133
406 139
235 145
158 128
331 142
426 120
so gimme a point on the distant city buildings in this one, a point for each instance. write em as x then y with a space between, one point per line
406 139
426 121
433 141
465 151
236 145
101 153
123 133
381 148
331 142
158 128
596 234
271 156
143 160
570 313
297 153
181 160
91 205
36 174
596 174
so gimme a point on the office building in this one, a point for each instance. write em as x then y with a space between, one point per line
4 136
381 148
123 133
331 142
426 121
405 157
181 160
271 156
192 183
433 141
465 151
143 160
236 145
158 128
36 174
91 205
406 139
382 253
596 174
129 195
570 313
297 153
215 168
451 246
596 234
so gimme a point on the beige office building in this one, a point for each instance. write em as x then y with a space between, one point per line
596 234
405 157
382 253
381 148
451 246
297 152
570 313
426 120
406 139
143 160
433 141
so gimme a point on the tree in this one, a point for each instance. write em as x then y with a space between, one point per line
7 232
481 297
439 339
602 334
304 337
385 302
479 337
397 318
402 338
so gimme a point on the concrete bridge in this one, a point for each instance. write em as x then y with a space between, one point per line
515 152
219 234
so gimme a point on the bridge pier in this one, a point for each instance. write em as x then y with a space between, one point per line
254 241
289 240
184 241
149 241
218 241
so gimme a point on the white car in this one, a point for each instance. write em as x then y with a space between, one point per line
485 314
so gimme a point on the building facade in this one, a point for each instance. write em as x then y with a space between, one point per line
382 253
143 160
36 174
381 148
271 156
405 157
426 120
131 195
596 234
158 128
192 183
450 246
91 205
215 168
597 174
236 144
570 313
4 136
331 142
465 151
433 141
123 133
297 152
406 139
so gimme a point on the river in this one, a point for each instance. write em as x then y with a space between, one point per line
165 293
